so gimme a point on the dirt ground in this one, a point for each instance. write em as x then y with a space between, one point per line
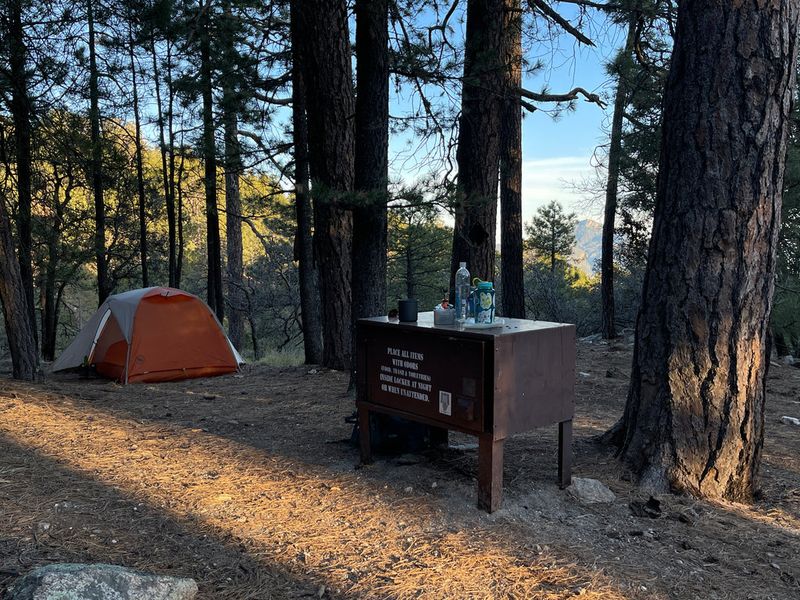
246 484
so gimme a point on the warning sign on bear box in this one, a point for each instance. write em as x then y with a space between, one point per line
403 376
431 376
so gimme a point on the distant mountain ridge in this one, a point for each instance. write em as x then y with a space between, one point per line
588 246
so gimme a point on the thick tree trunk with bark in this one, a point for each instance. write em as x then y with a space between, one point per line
214 252
231 105
96 166
330 108
139 165
478 151
233 226
371 158
694 420
19 324
609 329
304 242
21 117
511 272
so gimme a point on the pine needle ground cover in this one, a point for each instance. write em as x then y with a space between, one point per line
246 483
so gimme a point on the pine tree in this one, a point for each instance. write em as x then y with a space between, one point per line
551 233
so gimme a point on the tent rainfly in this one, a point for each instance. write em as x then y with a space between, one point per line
152 334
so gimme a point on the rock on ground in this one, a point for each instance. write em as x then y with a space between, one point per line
590 491
98 582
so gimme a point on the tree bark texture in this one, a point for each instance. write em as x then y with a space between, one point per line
511 272
233 227
330 108
478 153
214 253
21 117
609 329
371 158
304 242
19 324
694 420
96 166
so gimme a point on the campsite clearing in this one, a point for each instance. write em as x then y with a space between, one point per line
247 484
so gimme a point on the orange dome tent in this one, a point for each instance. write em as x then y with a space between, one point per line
152 334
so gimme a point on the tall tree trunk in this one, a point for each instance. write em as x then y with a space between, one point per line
169 194
139 165
694 420
49 293
233 170
371 158
330 108
179 224
214 280
411 279
253 329
233 224
21 117
478 151
174 204
96 166
609 329
304 241
511 272
18 321
176 236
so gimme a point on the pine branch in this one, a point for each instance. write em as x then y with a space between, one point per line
548 11
568 97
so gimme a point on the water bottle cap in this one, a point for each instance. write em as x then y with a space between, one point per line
462 265
485 285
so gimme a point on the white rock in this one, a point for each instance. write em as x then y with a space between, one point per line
590 491
98 582
790 421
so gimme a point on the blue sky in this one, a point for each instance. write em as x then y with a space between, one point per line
557 152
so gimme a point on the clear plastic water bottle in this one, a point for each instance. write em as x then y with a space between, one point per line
462 291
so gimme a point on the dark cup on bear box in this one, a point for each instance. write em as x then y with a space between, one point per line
408 310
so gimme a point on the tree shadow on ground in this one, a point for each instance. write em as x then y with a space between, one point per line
726 551
53 513
306 523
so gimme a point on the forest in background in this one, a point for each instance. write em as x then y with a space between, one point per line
694 177
118 145
168 128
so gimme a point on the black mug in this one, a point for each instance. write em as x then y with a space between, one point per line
408 310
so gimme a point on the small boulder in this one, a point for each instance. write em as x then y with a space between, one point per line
98 582
590 491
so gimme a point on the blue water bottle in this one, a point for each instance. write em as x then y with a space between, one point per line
484 302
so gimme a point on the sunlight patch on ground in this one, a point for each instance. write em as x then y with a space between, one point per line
342 529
